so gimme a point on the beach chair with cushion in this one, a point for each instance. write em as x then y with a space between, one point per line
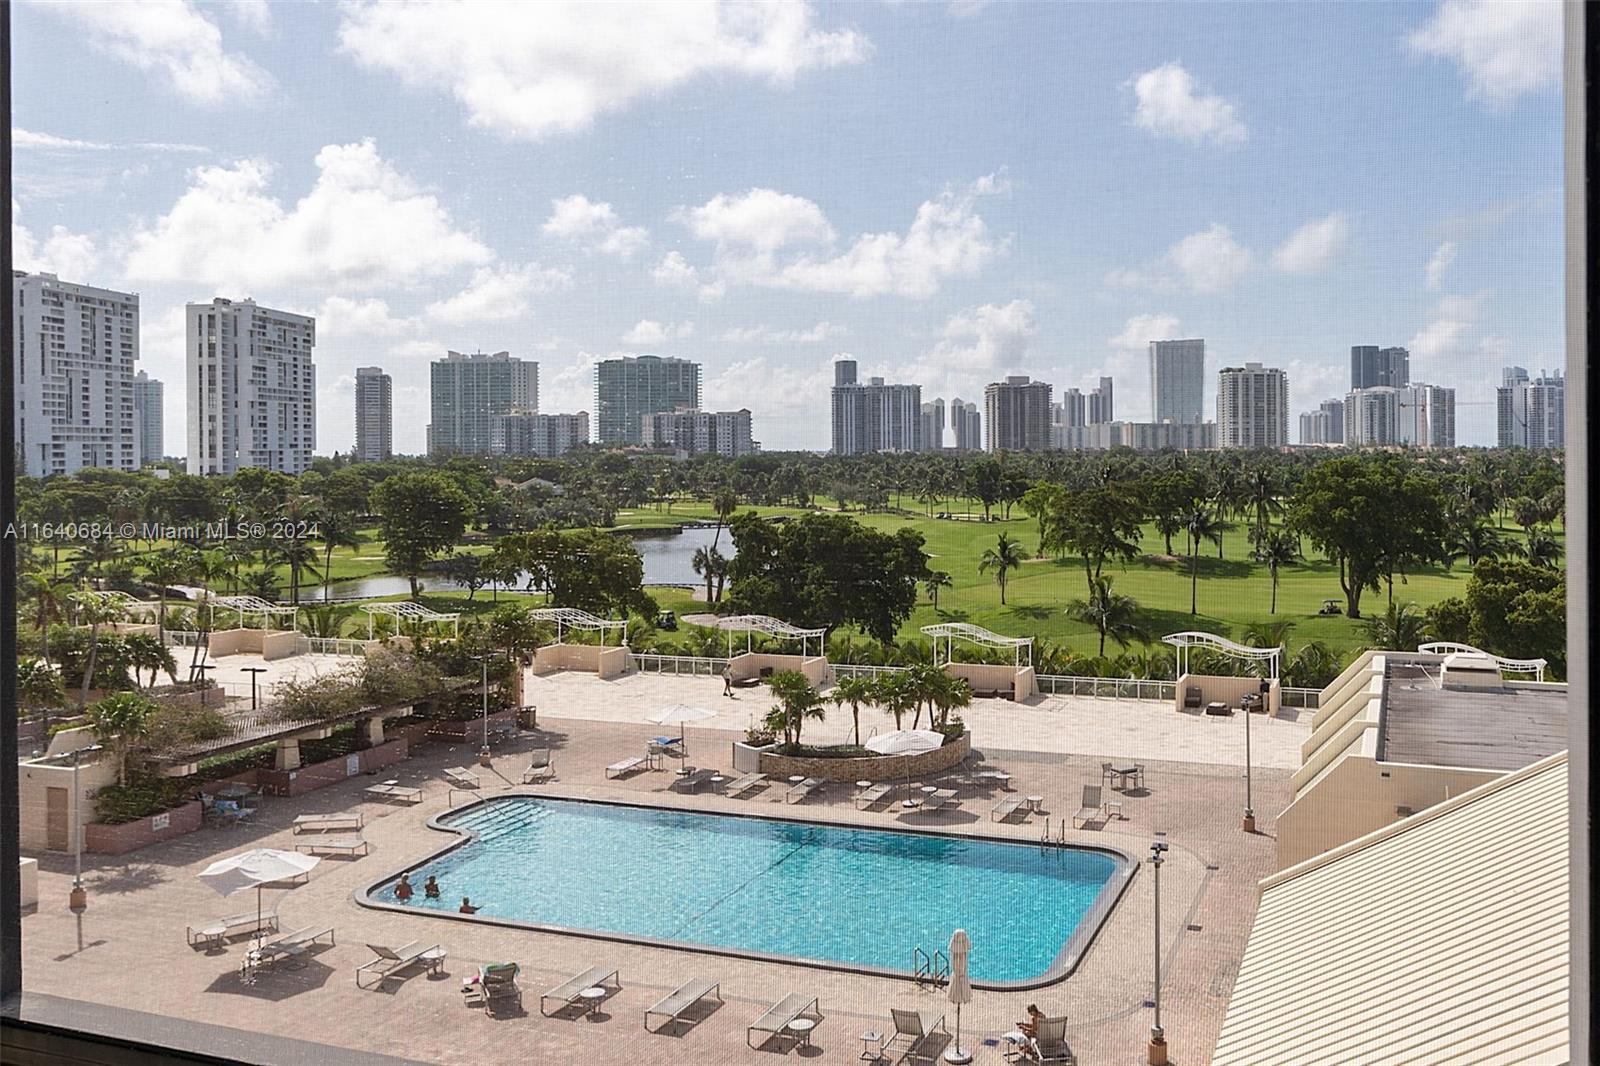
234 925
626 766
675 1004
691 781
354 844
1093 807
390 961
541 767
872 796
775 1020
1192 697
461 777
1006 808
498 988
746 784
911 1028
570 991
1050 1042
796 793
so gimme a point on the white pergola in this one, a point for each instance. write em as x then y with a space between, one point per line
1021 647
129 605
1233 650
411 612
567 618
1507 666
252 605
749 624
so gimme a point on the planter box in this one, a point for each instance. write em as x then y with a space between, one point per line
103 839
869 768
331 772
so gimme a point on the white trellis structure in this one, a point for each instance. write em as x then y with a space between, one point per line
1188 639
750 624
411 612
1507 666
950 632
567 618
252 605
130 606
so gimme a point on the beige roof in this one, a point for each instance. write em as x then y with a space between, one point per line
1443 937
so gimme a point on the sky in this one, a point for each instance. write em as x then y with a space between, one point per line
949 192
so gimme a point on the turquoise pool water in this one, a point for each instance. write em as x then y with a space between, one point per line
858 897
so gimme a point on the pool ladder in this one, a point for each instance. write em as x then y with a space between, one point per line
1060 840
929 969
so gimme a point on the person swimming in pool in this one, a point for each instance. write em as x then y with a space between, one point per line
467 907
403 890
430 889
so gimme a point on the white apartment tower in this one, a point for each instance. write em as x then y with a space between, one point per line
1252 407
148 411
74 355
1177 381
1531 413
466 392
252 389
374 415
966 426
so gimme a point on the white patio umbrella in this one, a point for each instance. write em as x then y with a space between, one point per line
905 742
681 713
960 991
253 869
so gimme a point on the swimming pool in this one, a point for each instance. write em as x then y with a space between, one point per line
827 895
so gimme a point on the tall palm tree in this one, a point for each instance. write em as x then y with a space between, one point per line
1401 628
300 555
895 695
163 570
1004 557
853 691
797 701
47 600
724 502
146 652
705 565
1111 614
1476 540
935 581
94 610
1260 493
1200 523
1277 550
337 530
1543 549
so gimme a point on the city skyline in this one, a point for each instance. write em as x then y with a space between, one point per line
685 217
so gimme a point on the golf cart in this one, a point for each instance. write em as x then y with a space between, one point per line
1331 607
667 620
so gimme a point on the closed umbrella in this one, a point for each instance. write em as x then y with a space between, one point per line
960 991
253 869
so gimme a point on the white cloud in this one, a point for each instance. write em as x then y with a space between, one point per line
780 394
255 15
363 225
994 336
1452 320
1169 106
1313 246
1440 261
596 225
495 295
340 316
1209 261
1140 330
674 269
533 71
70 256
1505 49
761 220
766 335
175 41
648 331
50 142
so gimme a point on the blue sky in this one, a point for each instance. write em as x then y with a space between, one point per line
950 192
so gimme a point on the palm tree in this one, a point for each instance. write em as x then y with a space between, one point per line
935 581
1274 634
1476 540
950 694
94 610
1543 549
1004 557
163 570
705 564
854 690
337 530
47 599
922 682
1312 667
1111 614
146 652
120 721
39 686
1400 629
1277 550
301 558
797 701
895 695
724 503
1200 524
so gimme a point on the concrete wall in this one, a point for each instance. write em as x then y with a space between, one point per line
268 643
876 768
103 839
605 662
749 664
472 728
322 774
985 677
34 780
1229 690
28 875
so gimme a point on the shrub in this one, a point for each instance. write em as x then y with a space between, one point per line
142 796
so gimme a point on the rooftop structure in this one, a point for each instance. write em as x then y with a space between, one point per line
1021 647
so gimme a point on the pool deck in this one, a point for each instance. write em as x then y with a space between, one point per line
128 949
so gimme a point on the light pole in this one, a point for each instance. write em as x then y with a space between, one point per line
253 671
78 898
1249 824
483 755
201 670
1158 1039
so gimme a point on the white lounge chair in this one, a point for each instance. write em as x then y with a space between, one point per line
324 823
745 784
293 943
796 793
675 1004
691 781
937 800
913 1027
234 925
1006 808
355 844
1093 807
461 777
775 1020
1050 1042
873 795
628 765
390 961
399 793
541 767
497 986
569 991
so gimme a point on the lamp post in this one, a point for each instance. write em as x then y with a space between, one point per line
483 755
253 671
201 670
1158 1039
78 898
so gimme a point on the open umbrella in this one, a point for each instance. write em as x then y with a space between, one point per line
680 713
255 868
905 742
960 991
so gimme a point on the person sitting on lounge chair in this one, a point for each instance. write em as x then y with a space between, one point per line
403 890
1030 1027
467 906
430 890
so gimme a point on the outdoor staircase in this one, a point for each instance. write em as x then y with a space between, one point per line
502 818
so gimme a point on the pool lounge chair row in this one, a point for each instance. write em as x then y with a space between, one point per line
390 962
797 792
292 944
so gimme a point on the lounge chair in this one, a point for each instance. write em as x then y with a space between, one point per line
541 767
399 793
1093 808
691 781
796 793
497 986
913 1027
776 1018
323 823
1006 808
875 794
226 811
1050 1042
941 798
461 777
745 784
569 991
293 943
391 961
234 925
626 766
674 1005
1193 698
355 844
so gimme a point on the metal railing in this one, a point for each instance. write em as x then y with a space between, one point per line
693 665
863 670
1122 688
332 646
1309 698
183 638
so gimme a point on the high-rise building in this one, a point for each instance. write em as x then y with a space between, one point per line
1101 408
1531 413
1018 412
1071 411
700 432
527 433
467 391
374 415
252 388
629 387
1325 425
966 426
1140 436
1428 416
933 426
1252 407
1372 416
75 347
149 411
1178 380
875 416
1420 415
1373 367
